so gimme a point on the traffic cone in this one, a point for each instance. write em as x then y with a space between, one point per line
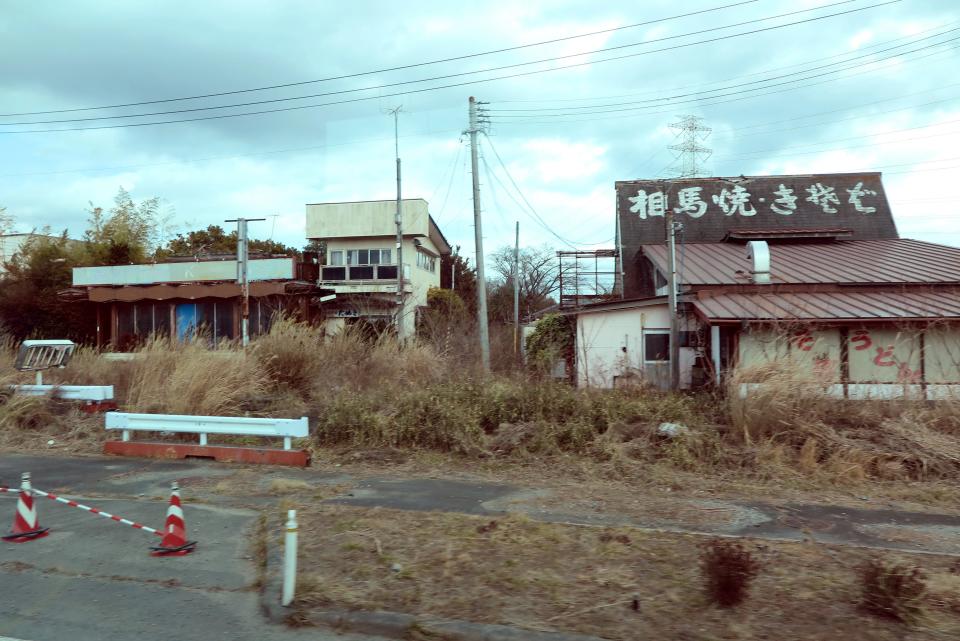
174 542
26 524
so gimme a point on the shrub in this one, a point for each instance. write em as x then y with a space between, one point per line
728 569
892 591
552 339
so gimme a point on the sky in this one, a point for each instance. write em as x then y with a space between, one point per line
593 88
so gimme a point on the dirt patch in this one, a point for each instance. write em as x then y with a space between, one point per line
519 572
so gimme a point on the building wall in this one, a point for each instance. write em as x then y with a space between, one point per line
418 281
875 354
610 346
367 218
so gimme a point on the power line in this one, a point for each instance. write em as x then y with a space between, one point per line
748 154
406 82
391 69
530 207
211 158
737 77
639 113
470 82
548 112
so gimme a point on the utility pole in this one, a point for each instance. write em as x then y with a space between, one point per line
398 219
243 257
478 235
516 292
672 293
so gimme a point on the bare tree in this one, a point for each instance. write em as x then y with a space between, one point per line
538 279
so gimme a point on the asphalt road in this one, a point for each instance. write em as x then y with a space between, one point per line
92 579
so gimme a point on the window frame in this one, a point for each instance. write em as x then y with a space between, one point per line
655 332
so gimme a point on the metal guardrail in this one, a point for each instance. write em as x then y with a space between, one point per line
285 428
96 393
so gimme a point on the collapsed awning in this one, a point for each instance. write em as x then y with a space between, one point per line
869 306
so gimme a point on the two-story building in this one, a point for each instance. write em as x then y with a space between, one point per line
360 261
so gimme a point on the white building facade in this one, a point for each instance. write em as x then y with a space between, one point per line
360 261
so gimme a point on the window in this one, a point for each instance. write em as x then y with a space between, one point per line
656 346
366 257
336 257
426 261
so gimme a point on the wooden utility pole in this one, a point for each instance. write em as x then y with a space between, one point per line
516 292
482 328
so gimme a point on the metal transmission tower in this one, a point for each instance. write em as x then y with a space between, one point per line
690 153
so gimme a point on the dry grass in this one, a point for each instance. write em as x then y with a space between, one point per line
791 422
426 397
557 577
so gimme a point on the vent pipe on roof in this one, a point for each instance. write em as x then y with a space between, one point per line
758 253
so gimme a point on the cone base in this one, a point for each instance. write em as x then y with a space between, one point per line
24 537
181 550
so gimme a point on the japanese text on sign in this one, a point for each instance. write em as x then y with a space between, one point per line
738 201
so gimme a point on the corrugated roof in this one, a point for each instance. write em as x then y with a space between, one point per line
891 261
919 305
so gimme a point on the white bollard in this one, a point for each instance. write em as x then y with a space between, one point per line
290 559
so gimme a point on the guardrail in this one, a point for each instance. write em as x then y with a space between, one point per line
94 393
285 428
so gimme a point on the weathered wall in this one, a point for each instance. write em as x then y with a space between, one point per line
610 344
883 354
366 218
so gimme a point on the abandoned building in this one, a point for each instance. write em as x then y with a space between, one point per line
180 297
360 262
808 266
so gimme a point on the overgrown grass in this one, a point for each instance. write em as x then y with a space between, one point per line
427 395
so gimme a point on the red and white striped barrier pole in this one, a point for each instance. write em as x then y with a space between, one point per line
94 510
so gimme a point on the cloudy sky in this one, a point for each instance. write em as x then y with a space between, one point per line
872 88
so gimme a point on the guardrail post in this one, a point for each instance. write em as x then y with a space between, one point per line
126 435
290 559
203 438
286 442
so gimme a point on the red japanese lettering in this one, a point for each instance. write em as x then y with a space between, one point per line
804 341
884 357
907 375
861 340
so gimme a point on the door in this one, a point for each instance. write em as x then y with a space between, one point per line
186 320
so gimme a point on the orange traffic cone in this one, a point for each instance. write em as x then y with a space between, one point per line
174 542
26 524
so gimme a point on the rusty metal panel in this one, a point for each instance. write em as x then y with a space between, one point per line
189 291
225 270
836 306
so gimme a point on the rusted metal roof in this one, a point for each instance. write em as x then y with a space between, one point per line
892 261
854 305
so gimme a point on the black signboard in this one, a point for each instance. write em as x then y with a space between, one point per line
711 208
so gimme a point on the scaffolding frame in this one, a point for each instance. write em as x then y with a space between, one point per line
583 280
